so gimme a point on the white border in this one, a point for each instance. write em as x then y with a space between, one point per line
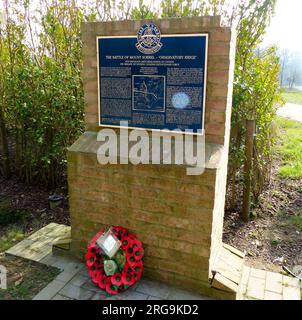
206 35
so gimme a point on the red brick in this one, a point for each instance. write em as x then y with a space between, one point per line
213 128
219 49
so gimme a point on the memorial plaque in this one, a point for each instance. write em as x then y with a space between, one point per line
153 81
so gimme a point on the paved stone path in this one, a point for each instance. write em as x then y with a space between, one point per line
291 111
73 283
259 284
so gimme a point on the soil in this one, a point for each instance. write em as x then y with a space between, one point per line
25 278
272 238
34 199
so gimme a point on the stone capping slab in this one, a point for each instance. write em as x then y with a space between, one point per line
88 144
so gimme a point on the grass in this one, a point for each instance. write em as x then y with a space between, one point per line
11 236
297 221
293 97
276 242
291 149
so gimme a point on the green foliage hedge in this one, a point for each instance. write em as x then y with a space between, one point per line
41 89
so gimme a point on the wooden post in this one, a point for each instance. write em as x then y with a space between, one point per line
248 165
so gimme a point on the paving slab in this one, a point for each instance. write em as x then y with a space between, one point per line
268 295
255 288
153 298
291 293
257 273
177 294
78 280
74 292
131 294
60 297
265 285
99 296
154 289
89 285
50 290
39 245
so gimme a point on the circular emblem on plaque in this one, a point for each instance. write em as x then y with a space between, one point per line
148 39
180 100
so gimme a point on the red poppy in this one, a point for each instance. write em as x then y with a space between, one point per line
98 260
116 230
100 269
123 235
131 260
126 267
125 243
127 279
136 275
99 255
120 234
136 243
129 250
138 253
90 259
102 280
110 288
131 237
138 266
98 277
92 248
94 275
116 279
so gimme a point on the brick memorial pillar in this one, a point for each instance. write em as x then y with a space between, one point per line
178 217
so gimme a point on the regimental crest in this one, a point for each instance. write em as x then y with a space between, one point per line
148 39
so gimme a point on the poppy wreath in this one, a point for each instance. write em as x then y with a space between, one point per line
120 272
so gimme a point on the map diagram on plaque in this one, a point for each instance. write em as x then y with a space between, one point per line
149 93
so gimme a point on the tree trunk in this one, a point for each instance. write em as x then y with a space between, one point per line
248 167
4 146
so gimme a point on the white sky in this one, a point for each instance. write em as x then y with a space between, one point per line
286 26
